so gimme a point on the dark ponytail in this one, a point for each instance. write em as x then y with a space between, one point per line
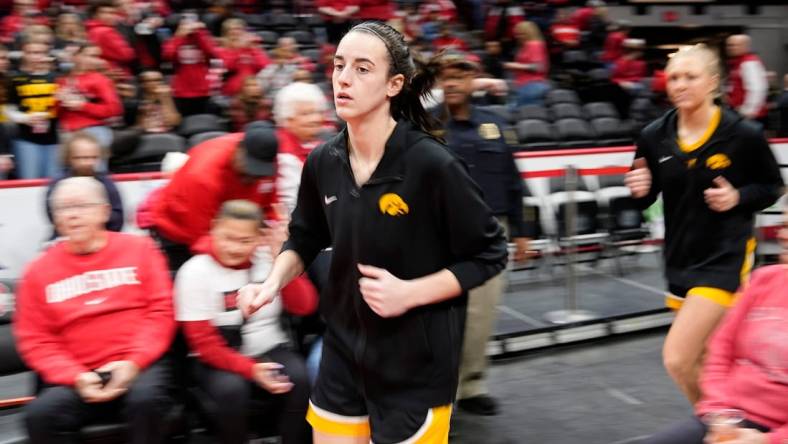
419 76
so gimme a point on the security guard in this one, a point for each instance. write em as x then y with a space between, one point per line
482 139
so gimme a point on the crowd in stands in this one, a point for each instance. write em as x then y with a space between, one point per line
123 69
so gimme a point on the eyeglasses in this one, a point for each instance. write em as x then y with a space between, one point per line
64 208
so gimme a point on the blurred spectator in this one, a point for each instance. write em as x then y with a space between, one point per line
86 98
39 33
593 36
447 41
584 16
156 112
6 157
241 55
238 355
747 85
337 16
249 105
530 66
191 51
25 13
98 302
115 49
83 156
491 61
141 23
31 104
326 62
299 112
502 17
286 62
69 31
630 69
379 10
564 32
235 166
614 42
445 9
782 109
744 366
172 162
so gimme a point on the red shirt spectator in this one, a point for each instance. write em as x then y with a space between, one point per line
747 85
114 48
493 26
189 202
627 69
24 14
582 17
190 51
445 9
249 105
241 55
614 46
449 42
96 100
375 10
533 53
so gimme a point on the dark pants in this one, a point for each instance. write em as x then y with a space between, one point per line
177 254
691 431
232 396
58 412
193 105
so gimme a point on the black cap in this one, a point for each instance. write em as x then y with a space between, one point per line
261 146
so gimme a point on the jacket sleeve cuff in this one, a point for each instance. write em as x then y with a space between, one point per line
469 274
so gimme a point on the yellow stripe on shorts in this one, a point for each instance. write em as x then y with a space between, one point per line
329 423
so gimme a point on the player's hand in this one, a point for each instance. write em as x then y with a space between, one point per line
386 294
638 180
6 164
268 376
89 387
252 297
521 252
722 196
743 436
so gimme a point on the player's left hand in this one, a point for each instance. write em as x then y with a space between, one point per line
386 294
723 196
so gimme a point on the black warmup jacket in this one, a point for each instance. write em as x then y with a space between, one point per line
705 248
419 213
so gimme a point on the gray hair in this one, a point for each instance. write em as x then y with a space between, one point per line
298 92
82 184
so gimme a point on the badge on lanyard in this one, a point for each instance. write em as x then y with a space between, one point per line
489 131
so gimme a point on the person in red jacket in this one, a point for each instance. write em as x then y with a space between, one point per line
614 42
337 15
747 86
746 366
630 69
241 55
447 41
25 13
235 166
94 319
101 30
380 10
242 358
190 50
87 98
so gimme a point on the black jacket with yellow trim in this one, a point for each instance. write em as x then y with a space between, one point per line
419 213
704 247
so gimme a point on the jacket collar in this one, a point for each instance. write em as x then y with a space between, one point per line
392 165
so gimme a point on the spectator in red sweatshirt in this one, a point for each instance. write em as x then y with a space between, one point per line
190 51
614 42
337 16
25 13
380 10
241 359
235 166
447 41
101 30
746 366
241 54
630 69
531 65
94 319
87 98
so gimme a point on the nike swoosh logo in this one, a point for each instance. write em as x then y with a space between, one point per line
665 159
329 200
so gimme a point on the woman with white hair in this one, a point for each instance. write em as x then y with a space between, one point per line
299 111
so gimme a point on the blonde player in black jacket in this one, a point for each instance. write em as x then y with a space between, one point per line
715 170
411 235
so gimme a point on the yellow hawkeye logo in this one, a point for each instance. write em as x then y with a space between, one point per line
718 162
393 205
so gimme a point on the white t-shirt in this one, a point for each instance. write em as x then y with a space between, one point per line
206 291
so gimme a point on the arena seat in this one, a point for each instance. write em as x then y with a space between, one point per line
535 134
305 39
574 133
561 96
533 112
202 137
595 110
269 38
611 131
566 111
200 123
148 155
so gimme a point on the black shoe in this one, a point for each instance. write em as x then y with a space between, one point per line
479 405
